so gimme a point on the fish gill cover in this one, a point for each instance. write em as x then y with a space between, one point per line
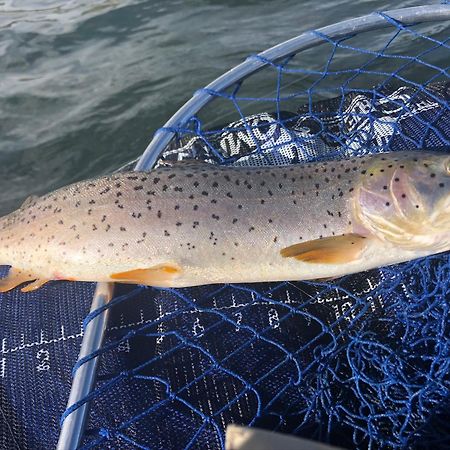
360 361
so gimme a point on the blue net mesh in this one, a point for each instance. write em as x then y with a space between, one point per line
359 361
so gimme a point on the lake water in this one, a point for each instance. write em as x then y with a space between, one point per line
85 83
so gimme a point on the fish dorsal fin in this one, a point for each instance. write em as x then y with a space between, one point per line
188 162
331 250
28 201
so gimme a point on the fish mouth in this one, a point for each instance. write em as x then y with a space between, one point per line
441 215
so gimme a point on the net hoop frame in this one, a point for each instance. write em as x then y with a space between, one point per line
305 41
74 422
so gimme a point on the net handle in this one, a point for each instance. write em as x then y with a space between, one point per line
84 378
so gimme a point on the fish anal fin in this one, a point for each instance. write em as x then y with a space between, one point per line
331 250
14 278
34 285
160 275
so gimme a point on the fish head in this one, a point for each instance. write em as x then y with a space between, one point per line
405 199
430 179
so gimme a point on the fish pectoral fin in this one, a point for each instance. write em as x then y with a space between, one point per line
34 285
160 275
330 250
14 278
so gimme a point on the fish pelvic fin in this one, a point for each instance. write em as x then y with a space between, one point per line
160 275
331 250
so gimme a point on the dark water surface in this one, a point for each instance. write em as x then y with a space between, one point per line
85 83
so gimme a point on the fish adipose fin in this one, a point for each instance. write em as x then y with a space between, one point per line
330 250
14 278
28 201
160 275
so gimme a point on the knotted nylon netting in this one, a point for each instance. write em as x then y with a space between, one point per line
360 361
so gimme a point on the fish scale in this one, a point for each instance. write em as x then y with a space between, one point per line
197 223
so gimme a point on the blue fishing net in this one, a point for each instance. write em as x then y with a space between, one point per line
360 361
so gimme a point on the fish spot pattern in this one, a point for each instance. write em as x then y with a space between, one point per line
228 207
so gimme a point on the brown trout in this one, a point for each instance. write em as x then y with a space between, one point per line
195 223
